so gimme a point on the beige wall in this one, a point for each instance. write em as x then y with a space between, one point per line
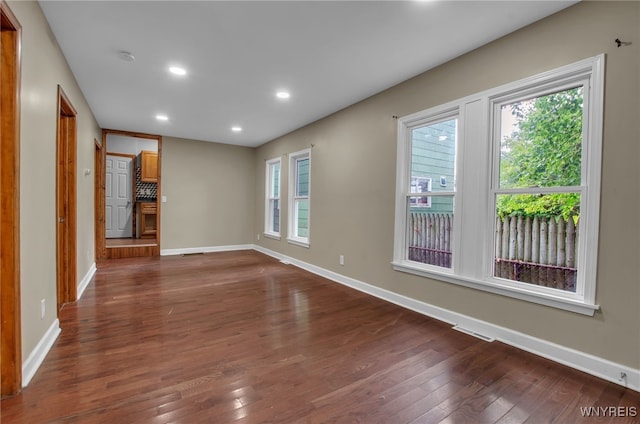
43 69
209 189
353 179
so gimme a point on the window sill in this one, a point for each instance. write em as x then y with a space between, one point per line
571 305
298 243
272 236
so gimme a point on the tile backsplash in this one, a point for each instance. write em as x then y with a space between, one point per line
145 190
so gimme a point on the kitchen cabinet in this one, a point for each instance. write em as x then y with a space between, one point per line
149 166
147 219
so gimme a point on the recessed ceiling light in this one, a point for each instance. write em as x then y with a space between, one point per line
236 129
161 117
176 70
283 94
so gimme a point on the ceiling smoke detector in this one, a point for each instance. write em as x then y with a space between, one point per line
126 56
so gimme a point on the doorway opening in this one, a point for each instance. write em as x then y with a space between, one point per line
127 195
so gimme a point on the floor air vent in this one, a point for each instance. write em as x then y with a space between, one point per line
473 333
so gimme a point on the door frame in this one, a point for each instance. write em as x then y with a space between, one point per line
99 202
132 188
66 208
100 242
10 328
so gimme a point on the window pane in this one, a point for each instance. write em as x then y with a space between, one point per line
429 233
274 212
302 218
302 174
541 141
433 157
275 180
537 239
432 170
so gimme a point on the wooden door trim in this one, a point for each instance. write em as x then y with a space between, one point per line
127 134
126 251
124 155
66 204
10 329
99 200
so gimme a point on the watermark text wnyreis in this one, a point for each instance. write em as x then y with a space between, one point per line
609 411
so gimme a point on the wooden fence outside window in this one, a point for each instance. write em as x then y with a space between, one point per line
540 251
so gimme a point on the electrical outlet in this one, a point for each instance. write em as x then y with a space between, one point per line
43 309
258 236
341 259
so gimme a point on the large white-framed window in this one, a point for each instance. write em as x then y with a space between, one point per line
272 198
526 189
299 197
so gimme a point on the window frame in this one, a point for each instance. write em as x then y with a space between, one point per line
404 176
559 85
293 198
269 197
472 261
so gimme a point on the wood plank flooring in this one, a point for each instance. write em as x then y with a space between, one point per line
238 337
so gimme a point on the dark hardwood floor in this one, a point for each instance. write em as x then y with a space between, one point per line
239 337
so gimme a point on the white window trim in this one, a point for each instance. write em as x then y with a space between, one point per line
268 198
471 264
403 178
291 238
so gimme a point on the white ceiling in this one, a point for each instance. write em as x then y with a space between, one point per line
328 54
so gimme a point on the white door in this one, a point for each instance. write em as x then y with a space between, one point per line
119 206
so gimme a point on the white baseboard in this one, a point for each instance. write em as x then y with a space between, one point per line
86 280
35 358
582 361
208 249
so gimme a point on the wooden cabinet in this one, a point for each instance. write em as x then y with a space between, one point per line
149 166
147 219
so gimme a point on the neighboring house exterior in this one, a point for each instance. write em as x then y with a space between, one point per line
433 166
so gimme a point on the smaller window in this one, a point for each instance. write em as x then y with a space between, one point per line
299 197
427 210
272 198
